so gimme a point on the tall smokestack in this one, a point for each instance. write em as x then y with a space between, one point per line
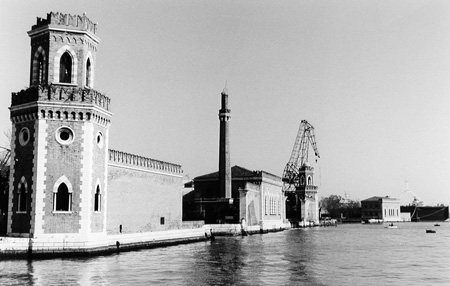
224 148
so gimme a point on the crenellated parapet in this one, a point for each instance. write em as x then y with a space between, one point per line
127 159
67 21
60 93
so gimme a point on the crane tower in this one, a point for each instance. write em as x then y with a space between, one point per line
298 179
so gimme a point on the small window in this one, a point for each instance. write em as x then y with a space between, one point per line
100 140
24 136
62 199
22 198
88 72
65 68
97 200
162 220
309 181
265 205
64 135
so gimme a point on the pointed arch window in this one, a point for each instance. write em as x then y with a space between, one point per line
41 69
88 72
309 181
97 200
22 196
65 68
302 181
62 199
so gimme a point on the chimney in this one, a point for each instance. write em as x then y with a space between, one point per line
224 148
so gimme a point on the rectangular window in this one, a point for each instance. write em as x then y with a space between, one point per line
265 205
162 220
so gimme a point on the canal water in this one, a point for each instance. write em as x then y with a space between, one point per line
353 254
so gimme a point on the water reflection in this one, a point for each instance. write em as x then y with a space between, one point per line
346 255
300 253
220 263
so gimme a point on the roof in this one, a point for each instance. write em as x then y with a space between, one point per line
236 172
376 198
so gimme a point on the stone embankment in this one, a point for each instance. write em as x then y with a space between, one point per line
49 247
238 229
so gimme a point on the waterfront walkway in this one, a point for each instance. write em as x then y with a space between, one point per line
57 246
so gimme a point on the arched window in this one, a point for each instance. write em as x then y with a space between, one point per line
309 181
98 200
62 199
22 196
41 69
302 181
88 72
65 68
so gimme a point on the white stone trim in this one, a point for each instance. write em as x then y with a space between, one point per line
43 29
105 179
35 67
86 180
91 75
57 105
143 170
11 180
57 59
65 180
39 178
20 195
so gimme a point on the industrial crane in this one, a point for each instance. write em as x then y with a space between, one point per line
299 156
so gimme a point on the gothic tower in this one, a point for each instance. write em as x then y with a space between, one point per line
307 192
59 144
224 148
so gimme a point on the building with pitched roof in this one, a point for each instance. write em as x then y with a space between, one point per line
381 209
256 199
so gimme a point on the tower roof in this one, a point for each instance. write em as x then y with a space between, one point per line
65 22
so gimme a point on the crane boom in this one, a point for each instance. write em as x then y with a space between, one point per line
305 136
299 155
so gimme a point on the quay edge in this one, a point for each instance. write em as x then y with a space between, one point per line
64 247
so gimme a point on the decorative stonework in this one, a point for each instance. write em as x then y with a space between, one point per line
127 159
67 21
60 93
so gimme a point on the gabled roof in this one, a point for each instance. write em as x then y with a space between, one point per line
236 172
376 198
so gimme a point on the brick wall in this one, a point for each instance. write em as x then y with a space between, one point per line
63 160
139 198
23 167
99 170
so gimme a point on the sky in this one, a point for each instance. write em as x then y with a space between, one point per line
372 77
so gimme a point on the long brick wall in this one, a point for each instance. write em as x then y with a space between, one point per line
143 194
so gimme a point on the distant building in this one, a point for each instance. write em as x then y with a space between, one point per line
380 209
256 197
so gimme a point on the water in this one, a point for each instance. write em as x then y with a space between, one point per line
344 255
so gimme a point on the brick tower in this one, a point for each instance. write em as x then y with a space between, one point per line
307 192
224 148
58 179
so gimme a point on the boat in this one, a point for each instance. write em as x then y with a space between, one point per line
430 231
391 225
436 224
